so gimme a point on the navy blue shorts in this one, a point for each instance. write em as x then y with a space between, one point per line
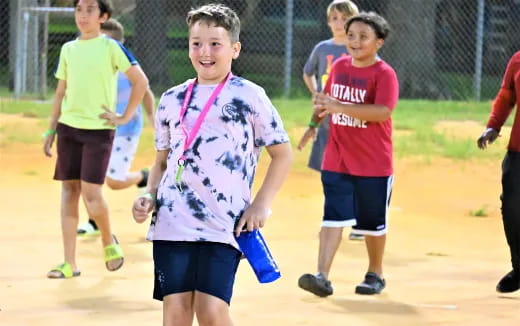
207 267
360 202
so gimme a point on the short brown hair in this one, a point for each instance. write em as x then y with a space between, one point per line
346 7
220 15
116 30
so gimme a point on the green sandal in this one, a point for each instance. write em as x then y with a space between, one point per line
113 252
64 270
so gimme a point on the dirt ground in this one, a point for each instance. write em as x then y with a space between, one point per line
441 263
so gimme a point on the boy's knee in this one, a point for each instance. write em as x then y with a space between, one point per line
177 309
91 194
209 318
71 188
211 312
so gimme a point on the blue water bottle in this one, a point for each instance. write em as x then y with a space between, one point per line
253 246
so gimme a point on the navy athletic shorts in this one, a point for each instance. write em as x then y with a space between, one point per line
207 267
360 202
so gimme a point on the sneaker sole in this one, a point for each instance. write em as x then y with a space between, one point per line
305 282
500 289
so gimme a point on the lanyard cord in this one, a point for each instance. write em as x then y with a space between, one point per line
190 136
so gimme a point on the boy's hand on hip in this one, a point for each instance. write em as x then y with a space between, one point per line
310 133
253 218
488 136
112 118
141 208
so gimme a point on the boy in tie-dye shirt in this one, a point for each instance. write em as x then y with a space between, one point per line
201 190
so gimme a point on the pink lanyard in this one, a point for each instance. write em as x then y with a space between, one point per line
189 137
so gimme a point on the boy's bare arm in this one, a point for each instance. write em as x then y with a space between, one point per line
156 172
139 83
325 104
144 204
254 217
56 104
311 83
149 105
310 132
55 115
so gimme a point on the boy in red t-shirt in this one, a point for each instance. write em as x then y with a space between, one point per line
508 96
357 171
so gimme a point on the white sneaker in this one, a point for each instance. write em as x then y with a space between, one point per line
87 229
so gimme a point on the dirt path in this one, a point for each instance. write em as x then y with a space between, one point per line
441 264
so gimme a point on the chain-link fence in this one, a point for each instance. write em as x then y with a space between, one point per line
441 49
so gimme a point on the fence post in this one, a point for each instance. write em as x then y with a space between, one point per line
26 16
477 77
288 47
44 49
18 52
33 62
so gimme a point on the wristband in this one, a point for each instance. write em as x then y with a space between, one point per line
313 124
48 133
148 195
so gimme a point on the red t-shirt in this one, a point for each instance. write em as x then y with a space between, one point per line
358 147
507 97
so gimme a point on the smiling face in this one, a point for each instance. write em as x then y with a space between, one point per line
363 44
88 18
211 51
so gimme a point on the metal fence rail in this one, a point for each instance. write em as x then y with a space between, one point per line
441 49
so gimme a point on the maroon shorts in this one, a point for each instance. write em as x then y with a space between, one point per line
83 154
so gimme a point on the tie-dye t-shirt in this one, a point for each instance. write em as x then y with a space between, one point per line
220 163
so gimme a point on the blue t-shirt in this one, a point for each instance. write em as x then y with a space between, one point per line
134 126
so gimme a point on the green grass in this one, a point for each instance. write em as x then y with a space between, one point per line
461 85
480 212
26 107
65 27
414 125
420 118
